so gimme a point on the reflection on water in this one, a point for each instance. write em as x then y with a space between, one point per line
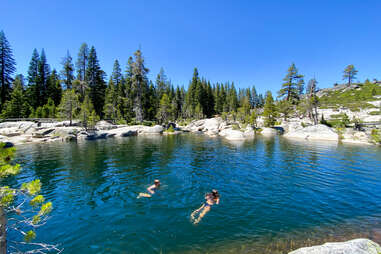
276 194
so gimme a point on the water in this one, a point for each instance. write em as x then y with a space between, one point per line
276 194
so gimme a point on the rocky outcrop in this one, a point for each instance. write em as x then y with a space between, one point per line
315 132
230 134
356 137
214 127
104 125
356 246
157 129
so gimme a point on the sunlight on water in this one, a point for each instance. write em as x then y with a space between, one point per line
276 194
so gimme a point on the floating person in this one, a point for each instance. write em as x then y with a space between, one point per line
211 199
151 190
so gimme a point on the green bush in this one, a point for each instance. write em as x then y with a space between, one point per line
236 127
171 129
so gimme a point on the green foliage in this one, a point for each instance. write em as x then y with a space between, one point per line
69 106
37 200
165 110
293 86
375 113
171 129
285 108
376 136
325 122
29 236
45 209
354 99
269 111
350 73
7 196
6 156
253 118
236 127
32 188
7 68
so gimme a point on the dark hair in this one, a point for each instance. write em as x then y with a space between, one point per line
215 194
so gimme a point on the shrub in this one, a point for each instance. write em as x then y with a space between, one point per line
171 129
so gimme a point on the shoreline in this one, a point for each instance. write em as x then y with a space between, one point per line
25 132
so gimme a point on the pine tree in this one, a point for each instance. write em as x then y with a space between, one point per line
67 70
33 91
116 76
139 84
110 108
7 68
161 83
233 100
16 106
88 115
69 106
54 89
82 62
94 77
269 111
312 101
292 86
350 73
165 111
42 80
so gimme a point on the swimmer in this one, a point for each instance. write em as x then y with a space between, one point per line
150 189
211 199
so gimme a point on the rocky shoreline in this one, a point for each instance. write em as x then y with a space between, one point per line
30 132
356 246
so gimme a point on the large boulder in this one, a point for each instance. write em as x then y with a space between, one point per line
352 136
212 124
42 133
157 129
268 132
232 134
315 132
249 132
104 125
123 132
356 246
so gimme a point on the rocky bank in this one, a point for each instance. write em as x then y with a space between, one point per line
356 246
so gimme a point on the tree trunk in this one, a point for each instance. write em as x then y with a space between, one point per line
3 232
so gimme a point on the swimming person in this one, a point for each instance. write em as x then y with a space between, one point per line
151 190
211 199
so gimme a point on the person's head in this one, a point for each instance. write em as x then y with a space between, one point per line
215 194
157 183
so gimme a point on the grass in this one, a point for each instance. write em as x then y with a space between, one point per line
353 99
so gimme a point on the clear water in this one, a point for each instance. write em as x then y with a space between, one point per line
276 194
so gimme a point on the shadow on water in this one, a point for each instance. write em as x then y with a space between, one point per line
276 194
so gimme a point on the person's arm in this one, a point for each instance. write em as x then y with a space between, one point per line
217 201
150 189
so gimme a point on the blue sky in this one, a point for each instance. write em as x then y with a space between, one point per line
248 42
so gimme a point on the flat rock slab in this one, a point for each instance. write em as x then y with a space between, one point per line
356 246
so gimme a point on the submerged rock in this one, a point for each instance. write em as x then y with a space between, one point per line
356 246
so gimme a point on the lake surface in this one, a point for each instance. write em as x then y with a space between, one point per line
276 194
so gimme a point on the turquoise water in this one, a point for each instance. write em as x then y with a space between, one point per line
273 192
